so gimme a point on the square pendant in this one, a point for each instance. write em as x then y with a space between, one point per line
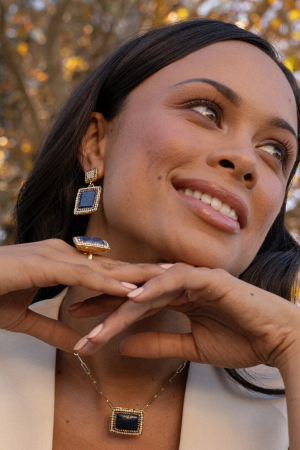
126 421
87 200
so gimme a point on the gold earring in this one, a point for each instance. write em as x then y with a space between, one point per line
87 199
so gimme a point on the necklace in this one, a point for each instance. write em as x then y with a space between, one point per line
125 420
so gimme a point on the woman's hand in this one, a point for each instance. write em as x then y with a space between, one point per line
233 324
27 267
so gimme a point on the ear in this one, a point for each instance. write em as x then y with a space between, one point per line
94 144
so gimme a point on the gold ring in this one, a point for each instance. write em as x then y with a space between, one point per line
90 245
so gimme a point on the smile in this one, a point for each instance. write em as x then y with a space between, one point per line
214 202
224 209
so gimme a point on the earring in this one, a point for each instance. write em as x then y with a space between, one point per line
87 199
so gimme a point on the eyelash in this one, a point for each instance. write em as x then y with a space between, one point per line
218 108
287 148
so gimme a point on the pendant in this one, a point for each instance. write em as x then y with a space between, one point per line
87 200
126 421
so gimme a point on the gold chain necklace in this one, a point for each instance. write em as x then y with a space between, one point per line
125 420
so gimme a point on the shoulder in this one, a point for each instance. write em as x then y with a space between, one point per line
243 419
27 385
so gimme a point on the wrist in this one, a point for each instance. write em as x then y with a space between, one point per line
289 361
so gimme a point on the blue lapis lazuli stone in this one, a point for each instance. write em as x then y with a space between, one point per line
87 199
91 239
128 422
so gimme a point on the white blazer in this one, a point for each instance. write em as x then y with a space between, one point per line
218 414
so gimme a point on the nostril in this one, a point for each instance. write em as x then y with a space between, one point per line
226 163
248 177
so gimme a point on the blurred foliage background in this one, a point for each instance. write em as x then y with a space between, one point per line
48 46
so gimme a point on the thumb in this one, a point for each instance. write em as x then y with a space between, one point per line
159 345
50 331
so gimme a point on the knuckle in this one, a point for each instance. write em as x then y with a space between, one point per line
50 244
158 282
220 272
83 270
108 267
53 241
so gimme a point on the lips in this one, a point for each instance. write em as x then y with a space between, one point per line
205 210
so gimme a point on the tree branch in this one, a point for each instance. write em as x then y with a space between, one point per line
56 80
10 60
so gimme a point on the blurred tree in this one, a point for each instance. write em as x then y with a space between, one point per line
48 46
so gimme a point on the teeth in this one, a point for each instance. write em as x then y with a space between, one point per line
233 214
206 199
214 202
197 195
225 209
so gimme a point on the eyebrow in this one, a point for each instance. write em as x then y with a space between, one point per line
236 100
281 123
228 93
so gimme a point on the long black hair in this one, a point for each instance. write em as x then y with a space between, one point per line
45 204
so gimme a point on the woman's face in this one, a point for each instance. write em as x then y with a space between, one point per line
222 122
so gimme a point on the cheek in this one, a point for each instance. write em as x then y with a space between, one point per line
146 148
137 170
269 199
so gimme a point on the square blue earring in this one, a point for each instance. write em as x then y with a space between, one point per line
87 199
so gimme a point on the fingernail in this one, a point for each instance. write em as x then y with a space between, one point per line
135 293
80 344
95 331
129 285
74 306
166 266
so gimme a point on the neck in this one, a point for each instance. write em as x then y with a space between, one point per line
126 381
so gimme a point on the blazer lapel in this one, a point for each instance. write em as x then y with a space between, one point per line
27 386
220 414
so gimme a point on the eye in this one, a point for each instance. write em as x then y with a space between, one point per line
210 109
275 151
207 111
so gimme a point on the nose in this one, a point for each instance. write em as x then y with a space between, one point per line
239 162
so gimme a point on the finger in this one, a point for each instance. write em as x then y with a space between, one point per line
58 250
57 272
160 345
132 273
127 314
63 247
234 353
48 330
179 277
95 306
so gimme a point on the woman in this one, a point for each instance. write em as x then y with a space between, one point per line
193 131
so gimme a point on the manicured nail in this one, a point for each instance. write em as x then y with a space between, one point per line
74 306
135 293
80 344
95 331
166 266
129 285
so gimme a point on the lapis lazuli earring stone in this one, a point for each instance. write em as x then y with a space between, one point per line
87 199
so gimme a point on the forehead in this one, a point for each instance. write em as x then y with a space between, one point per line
241 66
